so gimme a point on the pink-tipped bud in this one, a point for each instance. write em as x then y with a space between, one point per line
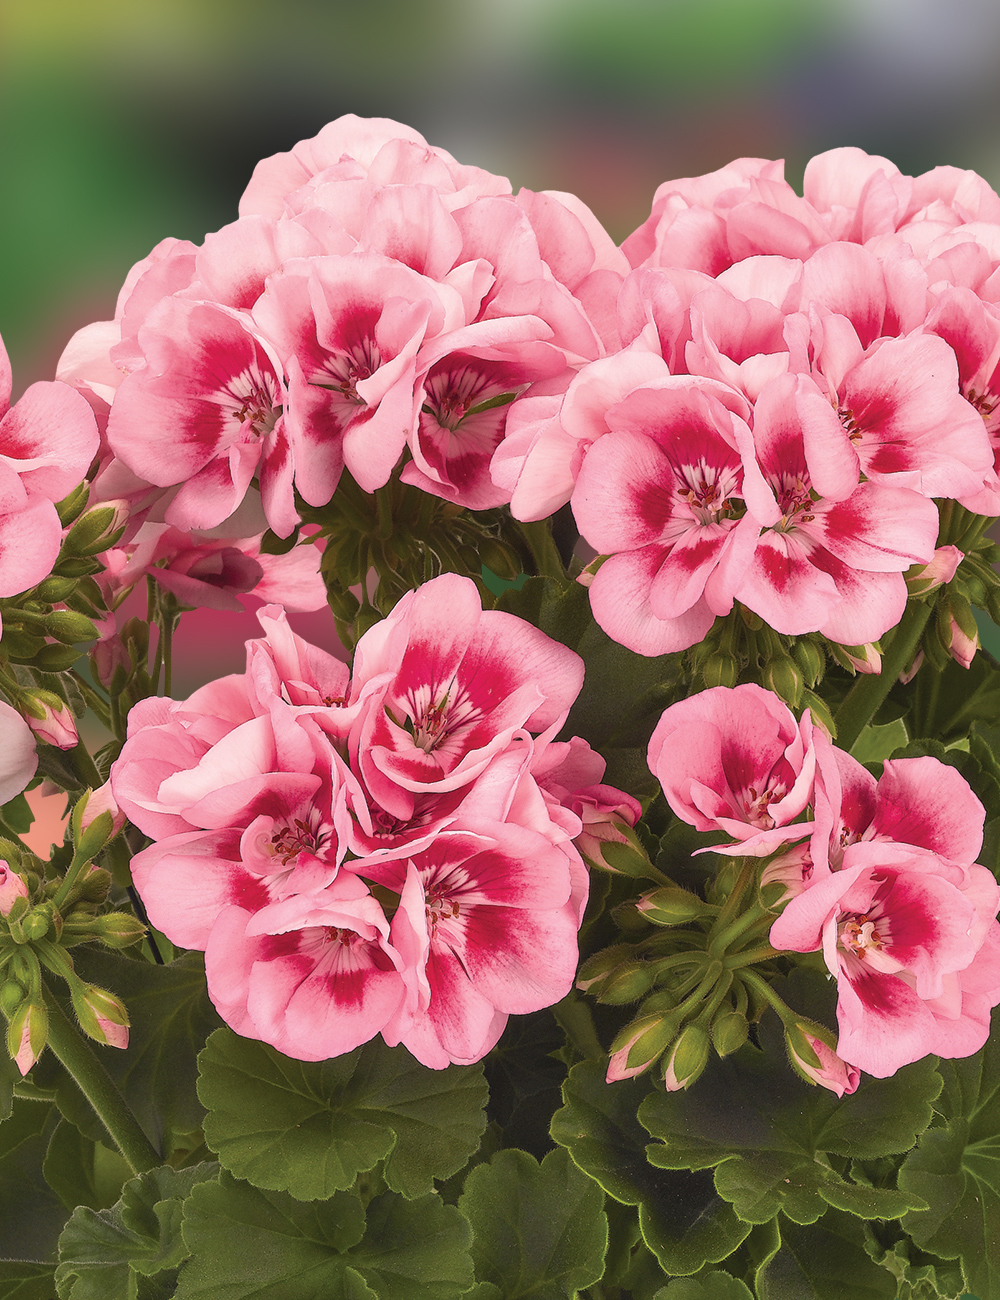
688 1059
102 1016
942 567
863 658
811 1052
963 647
50 718
908 674
27 1034
12 887
608 816
100 801
639 1045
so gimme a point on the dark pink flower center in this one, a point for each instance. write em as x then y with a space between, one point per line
257 403
706 490
289 841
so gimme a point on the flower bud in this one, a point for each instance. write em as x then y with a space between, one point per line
924 578
624 857
908 674
102 1016
962 645
596 968
821 715
721 669
784 677
92 805
810 658
670 906
55 658
603 824
27 1033
791 870
69 627
626 983
49 718
117 929
639 1045
862 658
54 590
729 1031
811 1052
688 1059
12 886
96 530
12 994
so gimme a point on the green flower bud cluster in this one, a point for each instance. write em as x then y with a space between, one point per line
688 966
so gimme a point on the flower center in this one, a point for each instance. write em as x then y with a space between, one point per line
755 805
289 841
438 908
847 419
857 934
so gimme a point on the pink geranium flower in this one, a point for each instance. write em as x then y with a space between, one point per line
915 948
659 494
734 759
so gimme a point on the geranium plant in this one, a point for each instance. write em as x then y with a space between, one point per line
609 906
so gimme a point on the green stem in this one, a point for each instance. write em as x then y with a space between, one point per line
750 957
86 766
973 533
543 549
863 699
94 700
768 995
97 1086
736 896
735 928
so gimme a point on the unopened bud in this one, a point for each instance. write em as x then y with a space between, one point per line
102 1016
12 887
639 1045
670 906
54 590
862 658
96 530
790 871
820 711
56 658
784 677
810 658
687 1059
721 669
97 819
12 994
729 1031
957 628
623 856
596 969
38 922
627 983
69 627
908 674
117 929
50 718
27 1034
924 578
811 1052
95 886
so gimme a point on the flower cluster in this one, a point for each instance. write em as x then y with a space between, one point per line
880 876
800 377
389 851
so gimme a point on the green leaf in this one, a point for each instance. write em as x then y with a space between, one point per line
31 1214
309 1128
245 1241
682 1218
524 1076
81 1171
770 1144
714 1285
538 1230
100 1251
18 815
956 1169
919 1276
824 1261
172 1016
623 693
26 1280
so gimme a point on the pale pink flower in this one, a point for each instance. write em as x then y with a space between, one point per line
734 759
18 756
486 905
659 494
832 552
915 948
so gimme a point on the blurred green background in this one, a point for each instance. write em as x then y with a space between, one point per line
122 121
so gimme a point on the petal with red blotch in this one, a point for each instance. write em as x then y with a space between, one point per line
784 586
878 528
922 801
619 599
52 429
